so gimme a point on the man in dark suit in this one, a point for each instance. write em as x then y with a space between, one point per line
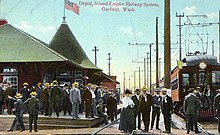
18 113
9 92
167 109
135 99
55 96
217 106
87 97
191 106
145 107
2 97
32 104
112 107
157 101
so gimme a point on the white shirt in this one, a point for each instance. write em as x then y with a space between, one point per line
93 94
126 101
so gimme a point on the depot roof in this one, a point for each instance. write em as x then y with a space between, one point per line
18 46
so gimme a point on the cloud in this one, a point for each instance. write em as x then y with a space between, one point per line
190 10
128 31
213 15
25 26
47 29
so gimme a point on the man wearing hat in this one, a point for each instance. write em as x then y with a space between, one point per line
145 107
191 106
2 97
87 96
25 91
75 99
105 98
217 106
167 109
66 99
111 106
136 99
39 91
9 92
32 104
55 96
157 101
18 109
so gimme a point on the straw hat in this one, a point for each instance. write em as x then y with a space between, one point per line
33 93
55 82
25 84
144 88
18 95
75 84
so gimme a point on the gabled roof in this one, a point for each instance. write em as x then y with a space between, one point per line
18 46
65 43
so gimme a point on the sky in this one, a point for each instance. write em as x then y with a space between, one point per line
112 31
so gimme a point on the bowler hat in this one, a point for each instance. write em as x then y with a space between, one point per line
128 91
18 95
157 90
137 90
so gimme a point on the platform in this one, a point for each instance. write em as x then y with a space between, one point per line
45 122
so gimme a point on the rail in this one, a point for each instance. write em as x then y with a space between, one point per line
202 129
106 126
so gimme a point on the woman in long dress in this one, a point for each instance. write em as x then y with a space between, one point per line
127 114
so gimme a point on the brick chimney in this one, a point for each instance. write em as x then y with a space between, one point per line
3 21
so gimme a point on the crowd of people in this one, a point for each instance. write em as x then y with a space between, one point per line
143 103
91 100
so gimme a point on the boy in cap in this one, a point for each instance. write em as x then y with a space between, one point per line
18 112
100 112
32 104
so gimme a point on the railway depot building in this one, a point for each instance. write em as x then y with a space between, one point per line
24 58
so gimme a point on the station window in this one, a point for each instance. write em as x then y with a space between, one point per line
13 80
10 70
78 74
201 78
216 78
185 79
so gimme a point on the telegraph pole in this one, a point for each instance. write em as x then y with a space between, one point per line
139 77
144 71
124 80
167 63
150 69
157 80
109 63
180 35
134 81
213 52
219 34
147 69
95 49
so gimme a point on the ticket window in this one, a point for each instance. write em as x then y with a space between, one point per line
13 80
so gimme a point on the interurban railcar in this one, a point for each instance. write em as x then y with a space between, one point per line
198 70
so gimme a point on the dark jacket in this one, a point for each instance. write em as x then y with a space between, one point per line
39 93
9 92
2 95
25 92
217 103
191 104
55 94
136 103
145 106
167 105
111 104
32 104
87 96
19 107
45 95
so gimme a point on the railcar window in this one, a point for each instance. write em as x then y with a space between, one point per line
185 79
216 78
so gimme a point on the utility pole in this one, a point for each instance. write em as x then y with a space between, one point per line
159 66
134 81
129 83
167 63
139 77
109 63
124 80
180 35
95 49
150 70
157 80
213 52
219 34
144 71
147 69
